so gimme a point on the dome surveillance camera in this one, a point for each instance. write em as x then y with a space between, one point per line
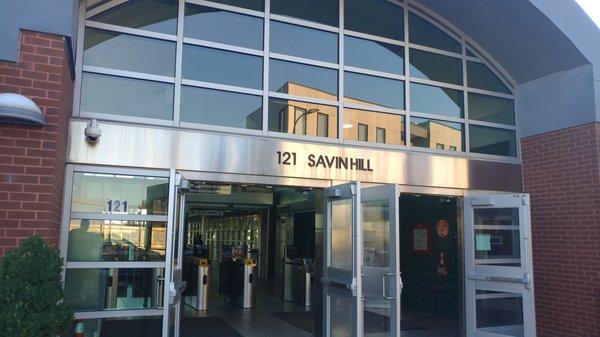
92 132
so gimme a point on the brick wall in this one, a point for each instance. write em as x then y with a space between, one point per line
562 172
32 159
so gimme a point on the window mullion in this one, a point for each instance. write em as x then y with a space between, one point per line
178 64
340 126
266 48
407 81
465 97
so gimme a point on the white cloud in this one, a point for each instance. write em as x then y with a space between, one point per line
592 8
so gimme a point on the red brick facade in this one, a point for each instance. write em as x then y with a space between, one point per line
32 159
561 170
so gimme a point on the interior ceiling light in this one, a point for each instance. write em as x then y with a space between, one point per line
18 109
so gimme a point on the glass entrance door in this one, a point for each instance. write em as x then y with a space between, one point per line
382 284
174 276
498 283
361 278
342 284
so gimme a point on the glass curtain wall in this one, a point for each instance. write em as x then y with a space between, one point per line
360 72
115 251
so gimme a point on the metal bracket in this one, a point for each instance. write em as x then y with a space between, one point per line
353 189
353 287
333 193
181 183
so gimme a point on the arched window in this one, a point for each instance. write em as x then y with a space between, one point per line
383 65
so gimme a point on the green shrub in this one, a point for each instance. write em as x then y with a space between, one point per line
31 292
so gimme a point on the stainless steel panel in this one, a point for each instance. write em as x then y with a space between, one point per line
231 155
494 176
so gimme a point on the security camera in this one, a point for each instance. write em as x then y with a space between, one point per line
92 132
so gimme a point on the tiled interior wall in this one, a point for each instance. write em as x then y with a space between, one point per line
425 291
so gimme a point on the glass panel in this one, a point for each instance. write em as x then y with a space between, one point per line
303 42
372 90
154 15
257 5
340 316
321 11
424 33
429 132
119 194
223 67
376 241
215 107
112 288
126 96
481 77
375 17
116 240
302 118
499 313
491 109
488 140
498 247
376 233
436 100
303 80
384 128
435 67
497 236
107 49
373 55
217 25
110 327
341 234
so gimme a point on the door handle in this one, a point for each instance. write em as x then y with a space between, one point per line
384 276
160 283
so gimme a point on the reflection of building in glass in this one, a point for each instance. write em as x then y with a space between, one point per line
374 127
320 120
436 135
304 118
254 120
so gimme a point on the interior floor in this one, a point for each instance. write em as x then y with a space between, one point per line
274 317
431 326
260 321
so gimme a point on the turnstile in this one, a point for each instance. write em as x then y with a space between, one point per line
245 276
197 275
203 285
299 281
237 279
